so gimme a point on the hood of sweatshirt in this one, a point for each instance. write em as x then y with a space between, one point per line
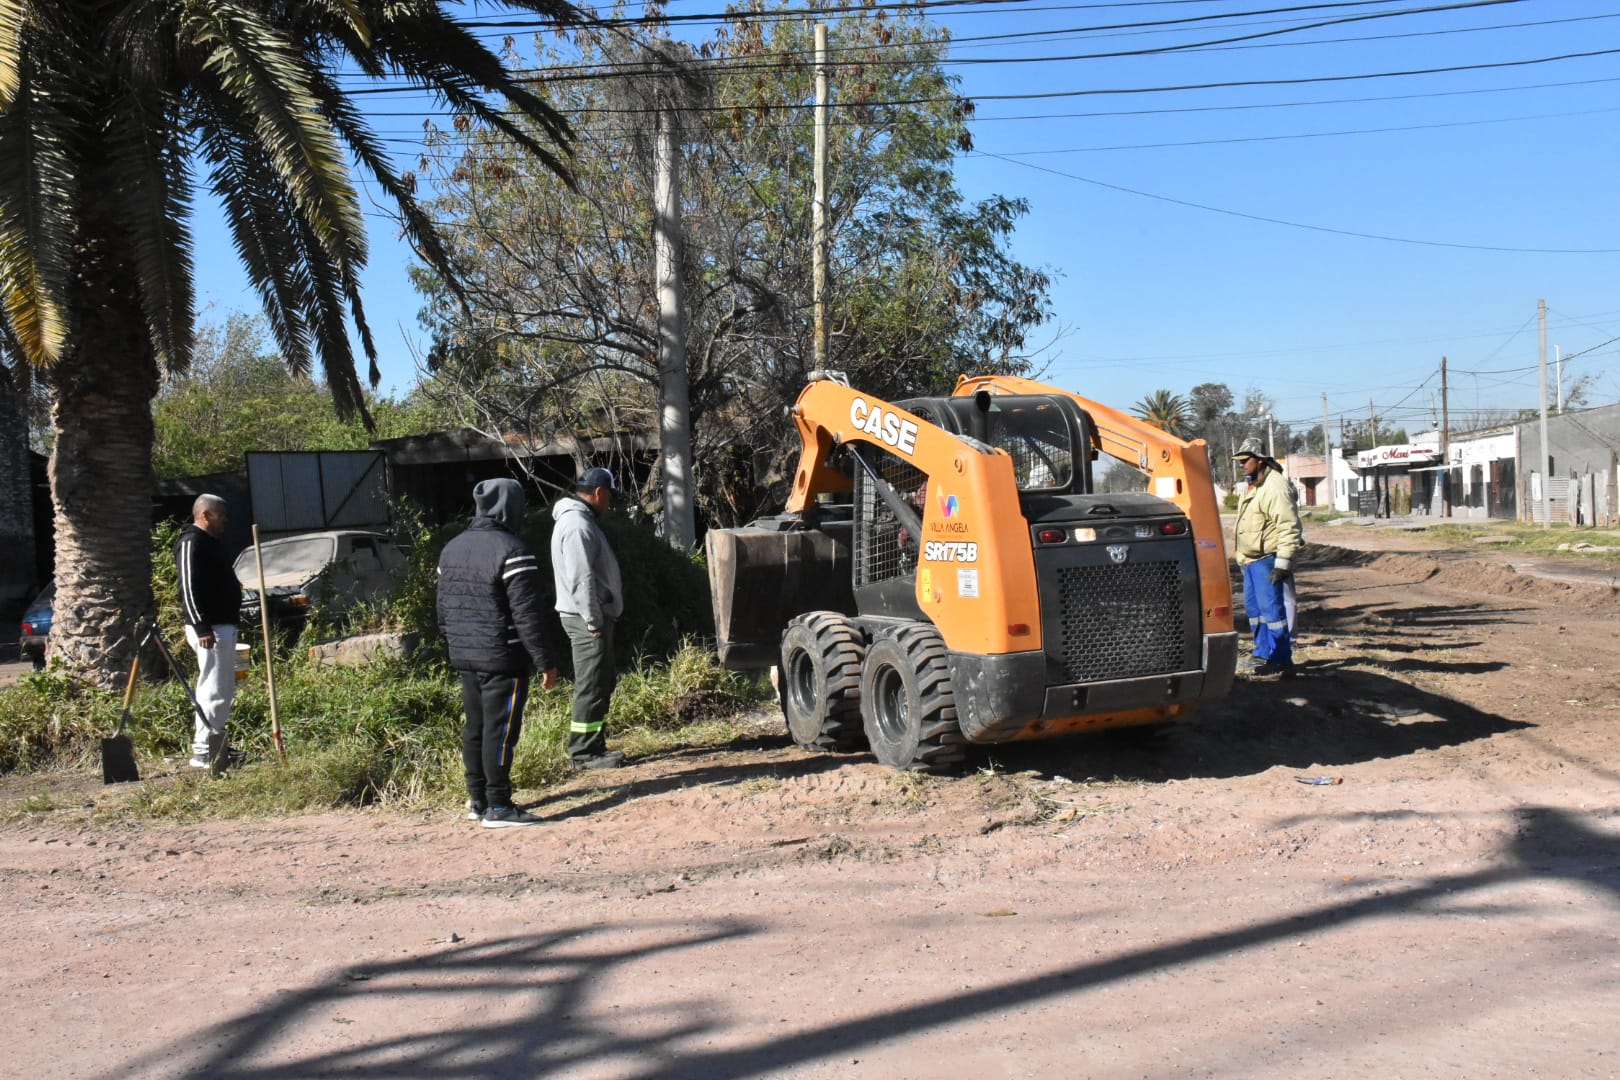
502 500
562 508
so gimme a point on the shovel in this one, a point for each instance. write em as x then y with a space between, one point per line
117 750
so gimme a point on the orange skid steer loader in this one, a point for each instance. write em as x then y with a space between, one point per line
946 573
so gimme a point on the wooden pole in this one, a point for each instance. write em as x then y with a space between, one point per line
269 649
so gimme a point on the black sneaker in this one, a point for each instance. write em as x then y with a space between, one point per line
475 810
1265 669
608 759
506 817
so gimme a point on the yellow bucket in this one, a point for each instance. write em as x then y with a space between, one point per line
244 661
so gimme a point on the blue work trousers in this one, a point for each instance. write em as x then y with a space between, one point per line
1267 613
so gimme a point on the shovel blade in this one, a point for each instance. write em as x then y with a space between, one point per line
118 760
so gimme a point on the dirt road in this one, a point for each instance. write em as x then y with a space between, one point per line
1102 907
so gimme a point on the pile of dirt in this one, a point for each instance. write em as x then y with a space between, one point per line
1474 575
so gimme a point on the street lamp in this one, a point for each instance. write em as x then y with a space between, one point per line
1271 434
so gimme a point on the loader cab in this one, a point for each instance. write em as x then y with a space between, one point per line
1049 438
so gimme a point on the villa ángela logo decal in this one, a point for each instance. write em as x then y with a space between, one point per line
948 505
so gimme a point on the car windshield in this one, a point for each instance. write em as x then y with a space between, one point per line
42 602
304 557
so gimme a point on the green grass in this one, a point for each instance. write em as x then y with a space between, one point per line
380 734
1532 539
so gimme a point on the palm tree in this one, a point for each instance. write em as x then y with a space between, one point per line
109 111
1166 411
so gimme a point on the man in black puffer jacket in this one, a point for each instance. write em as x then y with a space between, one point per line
490 611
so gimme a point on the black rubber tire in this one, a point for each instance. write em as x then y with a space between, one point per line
908 706
820 681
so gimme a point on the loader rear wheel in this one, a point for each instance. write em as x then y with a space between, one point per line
907 703
820 681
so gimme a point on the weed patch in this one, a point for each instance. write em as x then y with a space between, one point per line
387 733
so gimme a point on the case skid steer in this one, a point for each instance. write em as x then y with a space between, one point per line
945 573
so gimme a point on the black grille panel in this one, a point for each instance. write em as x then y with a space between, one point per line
1121 622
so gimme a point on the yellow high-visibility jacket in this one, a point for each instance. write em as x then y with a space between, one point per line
1268 522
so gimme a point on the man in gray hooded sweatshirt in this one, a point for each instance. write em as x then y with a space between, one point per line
491 610
590 596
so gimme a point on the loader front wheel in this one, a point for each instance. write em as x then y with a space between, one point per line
907 704
820 681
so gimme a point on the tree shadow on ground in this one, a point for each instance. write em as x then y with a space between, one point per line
536 1010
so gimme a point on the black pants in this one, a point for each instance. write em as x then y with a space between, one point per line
493 703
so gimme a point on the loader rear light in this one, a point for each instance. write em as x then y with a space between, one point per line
1018 629
1051 536
1222 612
1174 528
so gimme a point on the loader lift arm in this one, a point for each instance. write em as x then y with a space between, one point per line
829 414
1177 470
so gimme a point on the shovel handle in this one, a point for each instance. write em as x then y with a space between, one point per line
129 688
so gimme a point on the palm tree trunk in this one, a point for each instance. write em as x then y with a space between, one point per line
101 471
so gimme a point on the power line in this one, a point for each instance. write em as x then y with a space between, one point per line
1297 224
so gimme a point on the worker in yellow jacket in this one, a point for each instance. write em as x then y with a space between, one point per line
1267 539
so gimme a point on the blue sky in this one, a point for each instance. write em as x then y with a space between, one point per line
1302 238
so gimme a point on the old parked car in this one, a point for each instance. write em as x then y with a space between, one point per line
334 570
36 625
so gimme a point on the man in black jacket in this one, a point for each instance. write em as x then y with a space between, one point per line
490 611
210 597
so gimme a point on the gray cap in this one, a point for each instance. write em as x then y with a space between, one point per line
594 478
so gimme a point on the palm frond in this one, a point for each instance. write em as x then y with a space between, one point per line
413 220
11 44
440 55
257 213
148 152
251 62
38 200
323 302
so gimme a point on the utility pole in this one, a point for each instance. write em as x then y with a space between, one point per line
1327 455
674 391
819 205
1445 444
1558 368
1546 457
1372 425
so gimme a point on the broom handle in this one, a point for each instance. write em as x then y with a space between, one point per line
269 664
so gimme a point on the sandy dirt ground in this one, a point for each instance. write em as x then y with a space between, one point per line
1124 905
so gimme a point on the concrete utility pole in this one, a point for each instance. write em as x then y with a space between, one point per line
674 391
1558 371
1546 457
819 205
1445 444
1327 454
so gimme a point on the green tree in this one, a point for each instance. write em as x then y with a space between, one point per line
1166 411
238 395
109 111
560 331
